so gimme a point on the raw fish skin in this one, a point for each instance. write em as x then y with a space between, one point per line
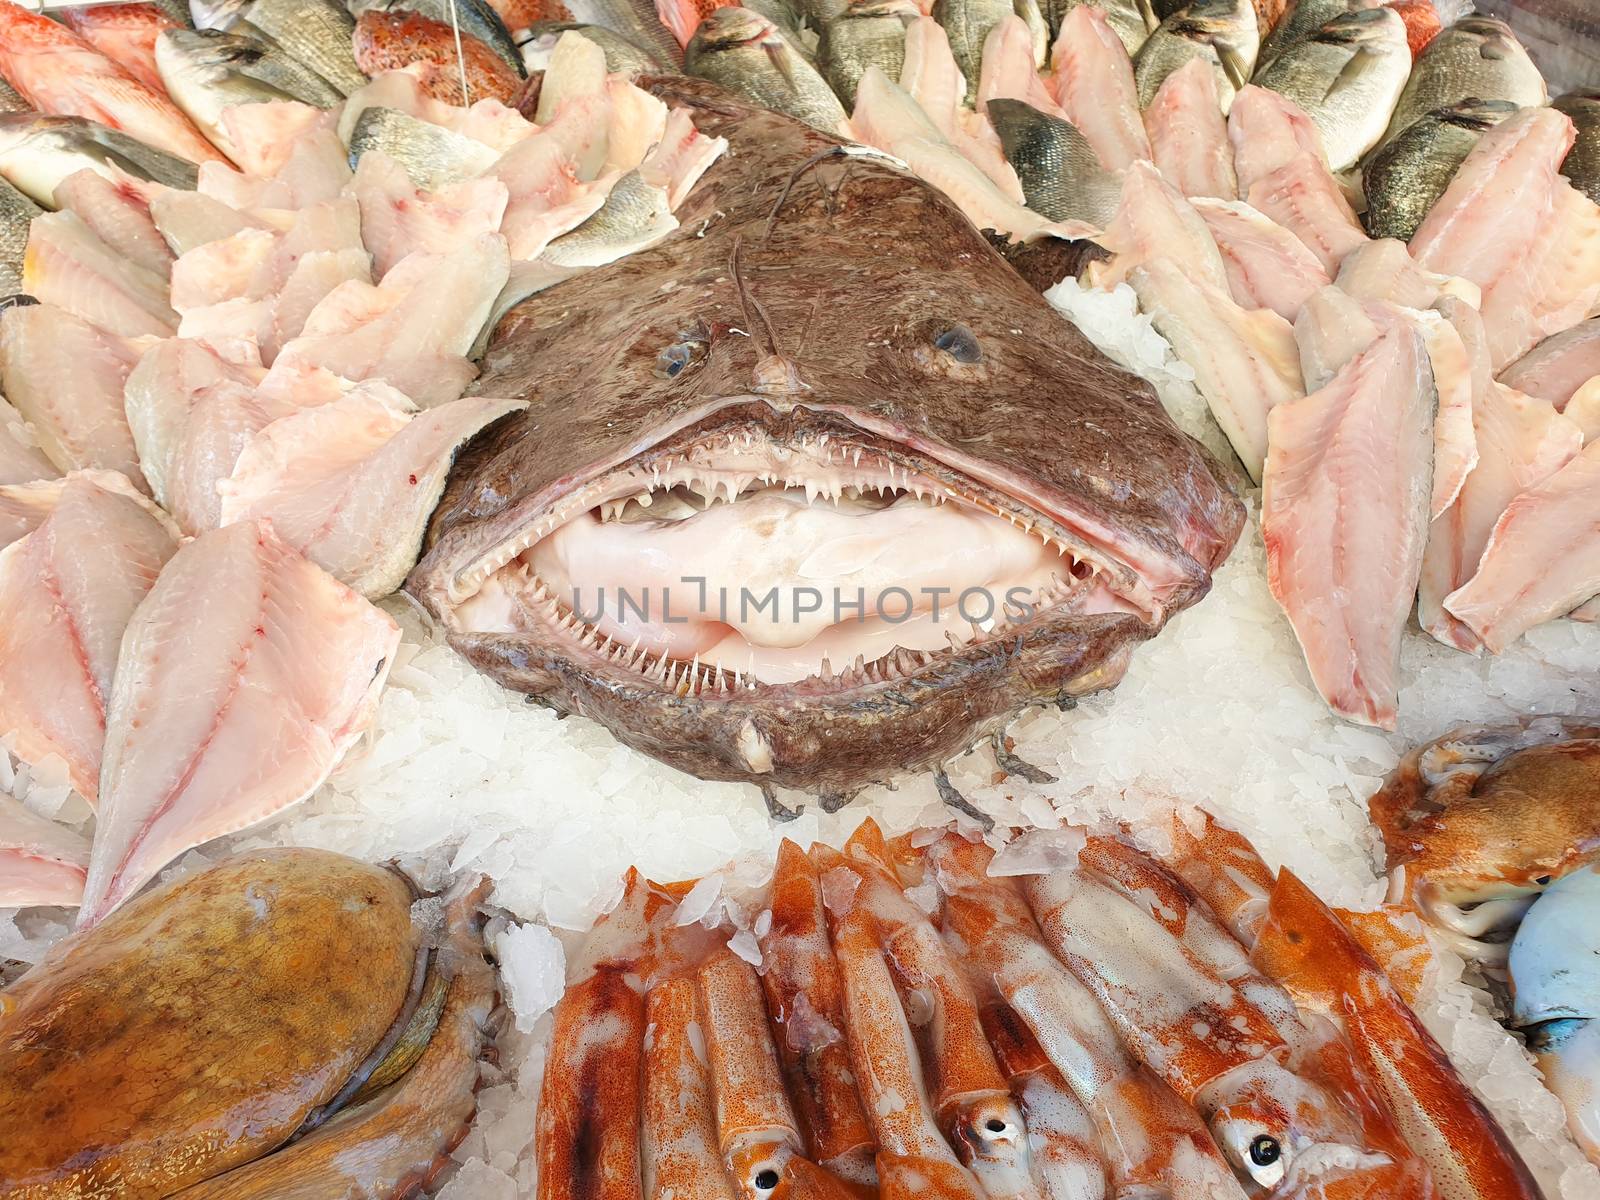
41 861
67 591
1188 136
351 484
126 34
66 377
1542 560
1344 514
216 725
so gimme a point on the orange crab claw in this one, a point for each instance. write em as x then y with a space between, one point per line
805 999
1304 946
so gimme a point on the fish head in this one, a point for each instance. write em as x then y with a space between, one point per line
1370 29
826 393
726 28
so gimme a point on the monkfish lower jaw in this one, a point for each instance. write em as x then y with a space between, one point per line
812 703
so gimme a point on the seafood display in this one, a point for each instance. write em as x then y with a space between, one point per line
1071 1017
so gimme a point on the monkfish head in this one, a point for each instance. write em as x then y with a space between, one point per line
817 490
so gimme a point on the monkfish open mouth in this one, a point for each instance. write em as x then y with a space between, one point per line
728 562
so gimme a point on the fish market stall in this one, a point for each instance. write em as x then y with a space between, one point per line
838 600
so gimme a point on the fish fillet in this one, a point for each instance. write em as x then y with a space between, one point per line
1153 222
1093 79
931 77
66 378
1267 266
1559 366
1385 270
216 725
545 195
351 484
315 170
1344 514
1188 135
221 421
1583 409
67 265
190 219
1516 227
1245 362
397 218
41 861
487 121
119 216
680 158
1542 559
1008 70
21 459
67 591
26 506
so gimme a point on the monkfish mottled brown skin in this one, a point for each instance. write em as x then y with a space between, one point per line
178 1046
813 294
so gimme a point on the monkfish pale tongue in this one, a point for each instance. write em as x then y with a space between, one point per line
215 725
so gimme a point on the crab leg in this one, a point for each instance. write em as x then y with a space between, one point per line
680 1132
806 1001
1305 946
883 1052
971 1098
755 1124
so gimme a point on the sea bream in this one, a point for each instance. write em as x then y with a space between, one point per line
831 374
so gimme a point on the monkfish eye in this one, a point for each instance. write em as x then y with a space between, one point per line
679 357
960 343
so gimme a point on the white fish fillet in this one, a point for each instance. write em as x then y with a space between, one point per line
1188 135
398 219
216 725
1385 270
635 122
119 216
1267 132
1093 80
41 861
221 421
577 68
931 77
351 484
1245 363
1267 266
1332 328
1008 70
67 265
680 158
414 329
546 197
1154 221
1542 560
1583 409
21 459
26 506
67 591
1520 441
66 379
236 329
189 219
222 269
1513 225
487 121
1344 513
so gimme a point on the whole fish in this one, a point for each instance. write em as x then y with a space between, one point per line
1060 172
16 214
747 54
216 14
1583 163
1223 33
1303 19
476 17
1408 174
317 33
386 41
11 101
622 56
868 33
635 20
1347 76
1133 20
868 309
788 19
434 157
1477 58
124 33
57 72
207 72
37 152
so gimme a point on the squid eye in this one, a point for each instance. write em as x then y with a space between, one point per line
766 1181
1265 1150
960 343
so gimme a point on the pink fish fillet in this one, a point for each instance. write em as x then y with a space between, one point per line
931 77
1385 270
1244 361
1154 221
21 459
487 121
189 219
1583 409
1268 267
67 591
126 34
219 724
119 216
1519 442
680 158
1559 366
1008 71
1542 560
397 219
58 72
1344 514
1188 135
66 264
41 861
1093 80
1513 225
66 377
315 170
1284 173
221 421
351 484
26 506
